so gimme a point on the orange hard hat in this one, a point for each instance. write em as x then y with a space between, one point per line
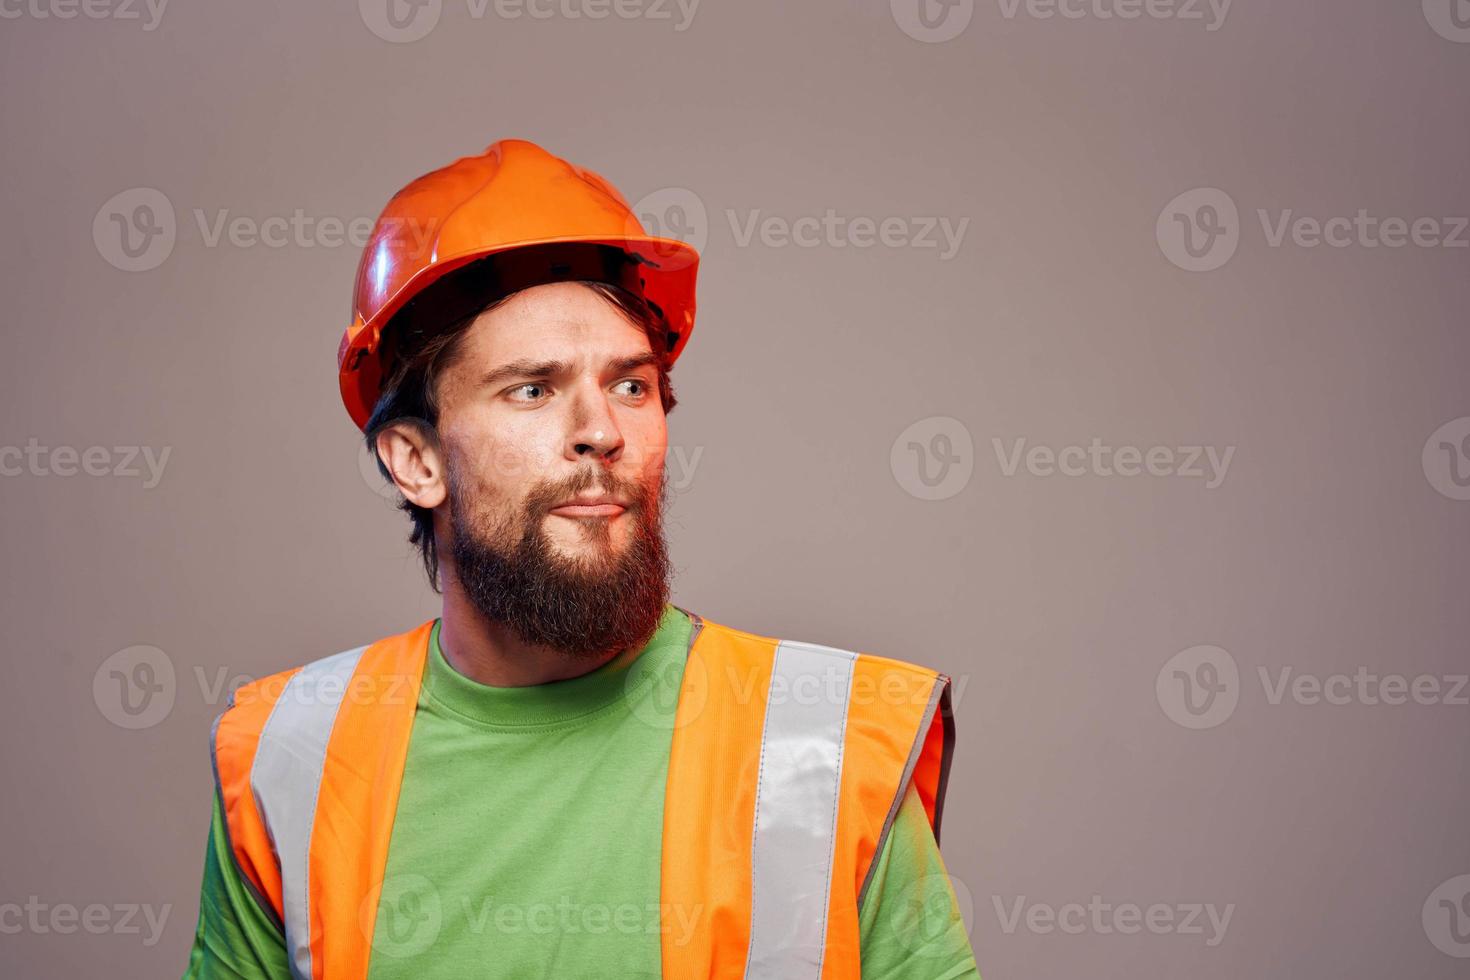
514 197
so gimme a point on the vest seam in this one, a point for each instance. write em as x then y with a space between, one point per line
371 931
696 627
941 685
255 761
260 900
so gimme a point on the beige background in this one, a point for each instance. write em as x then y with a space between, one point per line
1056 602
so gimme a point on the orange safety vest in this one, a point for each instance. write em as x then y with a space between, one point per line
787 764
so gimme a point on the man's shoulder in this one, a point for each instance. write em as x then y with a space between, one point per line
326 678
744 643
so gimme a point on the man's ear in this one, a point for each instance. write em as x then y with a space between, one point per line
415 460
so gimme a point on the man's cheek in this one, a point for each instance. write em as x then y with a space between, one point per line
502 466
645 459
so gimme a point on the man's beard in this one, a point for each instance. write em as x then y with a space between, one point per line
583 606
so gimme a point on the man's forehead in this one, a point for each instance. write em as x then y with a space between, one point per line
554 299
554 346
564 322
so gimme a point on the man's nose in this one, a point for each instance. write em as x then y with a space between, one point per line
594 430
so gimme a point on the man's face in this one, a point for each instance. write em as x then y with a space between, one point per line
553 438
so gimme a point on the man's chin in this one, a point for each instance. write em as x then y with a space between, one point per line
580 536
585 563
579 586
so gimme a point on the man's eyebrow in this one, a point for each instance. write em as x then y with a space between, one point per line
527 368
634 362
523 368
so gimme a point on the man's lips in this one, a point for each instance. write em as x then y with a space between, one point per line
601 507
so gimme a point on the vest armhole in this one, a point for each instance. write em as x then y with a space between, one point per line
219 795
946 749
940 703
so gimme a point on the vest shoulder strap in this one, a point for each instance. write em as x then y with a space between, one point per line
789 762
335 729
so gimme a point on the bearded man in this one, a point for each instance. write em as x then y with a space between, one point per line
564 774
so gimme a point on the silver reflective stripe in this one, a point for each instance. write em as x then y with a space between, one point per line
796 810
285 777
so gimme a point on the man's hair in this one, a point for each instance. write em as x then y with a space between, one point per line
411 392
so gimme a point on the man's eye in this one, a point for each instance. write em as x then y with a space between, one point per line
529 386
638 384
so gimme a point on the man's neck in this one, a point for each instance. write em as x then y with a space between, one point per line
487 652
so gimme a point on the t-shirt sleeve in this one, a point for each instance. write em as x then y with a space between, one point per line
236 939
910 922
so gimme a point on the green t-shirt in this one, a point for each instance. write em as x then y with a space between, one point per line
527 837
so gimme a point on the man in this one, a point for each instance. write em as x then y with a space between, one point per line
564 775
